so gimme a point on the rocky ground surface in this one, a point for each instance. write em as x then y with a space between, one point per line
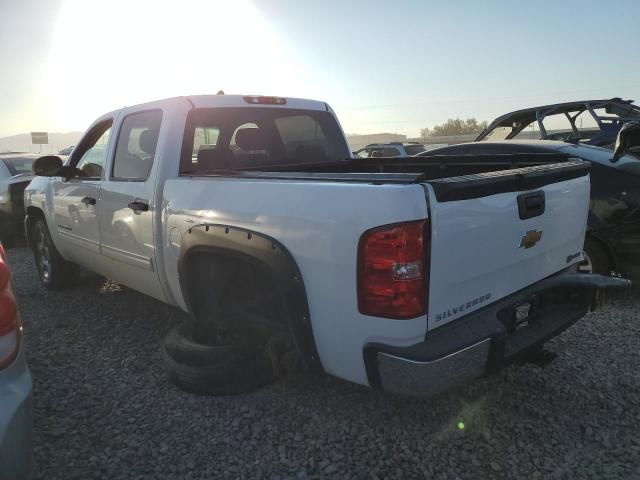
104 409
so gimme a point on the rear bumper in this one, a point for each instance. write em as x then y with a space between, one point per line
486 340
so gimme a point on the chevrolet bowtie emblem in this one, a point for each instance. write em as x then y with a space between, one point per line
530 238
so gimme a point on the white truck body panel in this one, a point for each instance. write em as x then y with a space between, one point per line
476 252
320 224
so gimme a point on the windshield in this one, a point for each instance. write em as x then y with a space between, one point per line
19 165
256 138
413 149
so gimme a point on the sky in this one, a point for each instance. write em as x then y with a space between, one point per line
387 66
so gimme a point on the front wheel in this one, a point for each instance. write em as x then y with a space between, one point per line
54 271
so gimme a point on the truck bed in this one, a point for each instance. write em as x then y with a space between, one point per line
397 170
452 177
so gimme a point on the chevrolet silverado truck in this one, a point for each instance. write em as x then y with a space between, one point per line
249 213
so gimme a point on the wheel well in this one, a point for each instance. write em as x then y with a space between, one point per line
33 214
235 286
220 264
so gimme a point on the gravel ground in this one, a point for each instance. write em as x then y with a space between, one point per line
105 410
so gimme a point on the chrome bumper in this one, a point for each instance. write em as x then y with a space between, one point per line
483 341
410 377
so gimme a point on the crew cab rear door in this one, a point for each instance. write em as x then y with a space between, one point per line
496 233
126 207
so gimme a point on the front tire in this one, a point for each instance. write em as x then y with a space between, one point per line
53 270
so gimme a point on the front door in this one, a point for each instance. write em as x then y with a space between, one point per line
126 205
75 209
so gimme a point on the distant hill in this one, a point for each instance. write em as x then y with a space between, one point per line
22 142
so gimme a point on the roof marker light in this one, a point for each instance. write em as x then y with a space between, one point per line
261 100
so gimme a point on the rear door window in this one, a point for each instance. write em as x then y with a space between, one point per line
136 146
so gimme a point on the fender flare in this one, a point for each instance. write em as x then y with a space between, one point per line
265 252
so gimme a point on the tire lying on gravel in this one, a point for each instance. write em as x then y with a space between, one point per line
223 369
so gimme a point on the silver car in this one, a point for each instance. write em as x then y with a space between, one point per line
15 175
16 411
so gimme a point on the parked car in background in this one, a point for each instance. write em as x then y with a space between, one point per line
247 212
16 416
67 150
612 241
591 122
393 149
15 175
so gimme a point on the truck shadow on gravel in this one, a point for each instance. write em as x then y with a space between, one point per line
104 408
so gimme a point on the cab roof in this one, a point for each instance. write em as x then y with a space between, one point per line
213 101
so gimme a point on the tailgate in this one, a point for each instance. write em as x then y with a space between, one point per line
496 233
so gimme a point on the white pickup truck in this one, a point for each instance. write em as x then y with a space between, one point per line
411 275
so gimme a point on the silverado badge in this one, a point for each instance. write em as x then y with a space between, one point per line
530 238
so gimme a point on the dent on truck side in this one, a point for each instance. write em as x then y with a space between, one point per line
269 254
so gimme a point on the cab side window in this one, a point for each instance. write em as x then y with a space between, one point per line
90 155
136 147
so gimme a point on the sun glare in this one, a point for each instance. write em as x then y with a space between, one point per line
107 55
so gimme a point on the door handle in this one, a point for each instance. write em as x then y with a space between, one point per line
139 206
531 205
88 201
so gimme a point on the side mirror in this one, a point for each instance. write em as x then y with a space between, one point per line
628 140
47 166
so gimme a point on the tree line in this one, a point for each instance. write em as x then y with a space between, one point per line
454 126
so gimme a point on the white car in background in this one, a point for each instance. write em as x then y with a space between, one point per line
16 417
66 150
393 149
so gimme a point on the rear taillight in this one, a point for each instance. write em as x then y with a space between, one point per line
9 318
392 270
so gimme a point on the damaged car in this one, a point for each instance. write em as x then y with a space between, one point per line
612 242
590 122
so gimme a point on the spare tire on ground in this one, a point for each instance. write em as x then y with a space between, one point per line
218 369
